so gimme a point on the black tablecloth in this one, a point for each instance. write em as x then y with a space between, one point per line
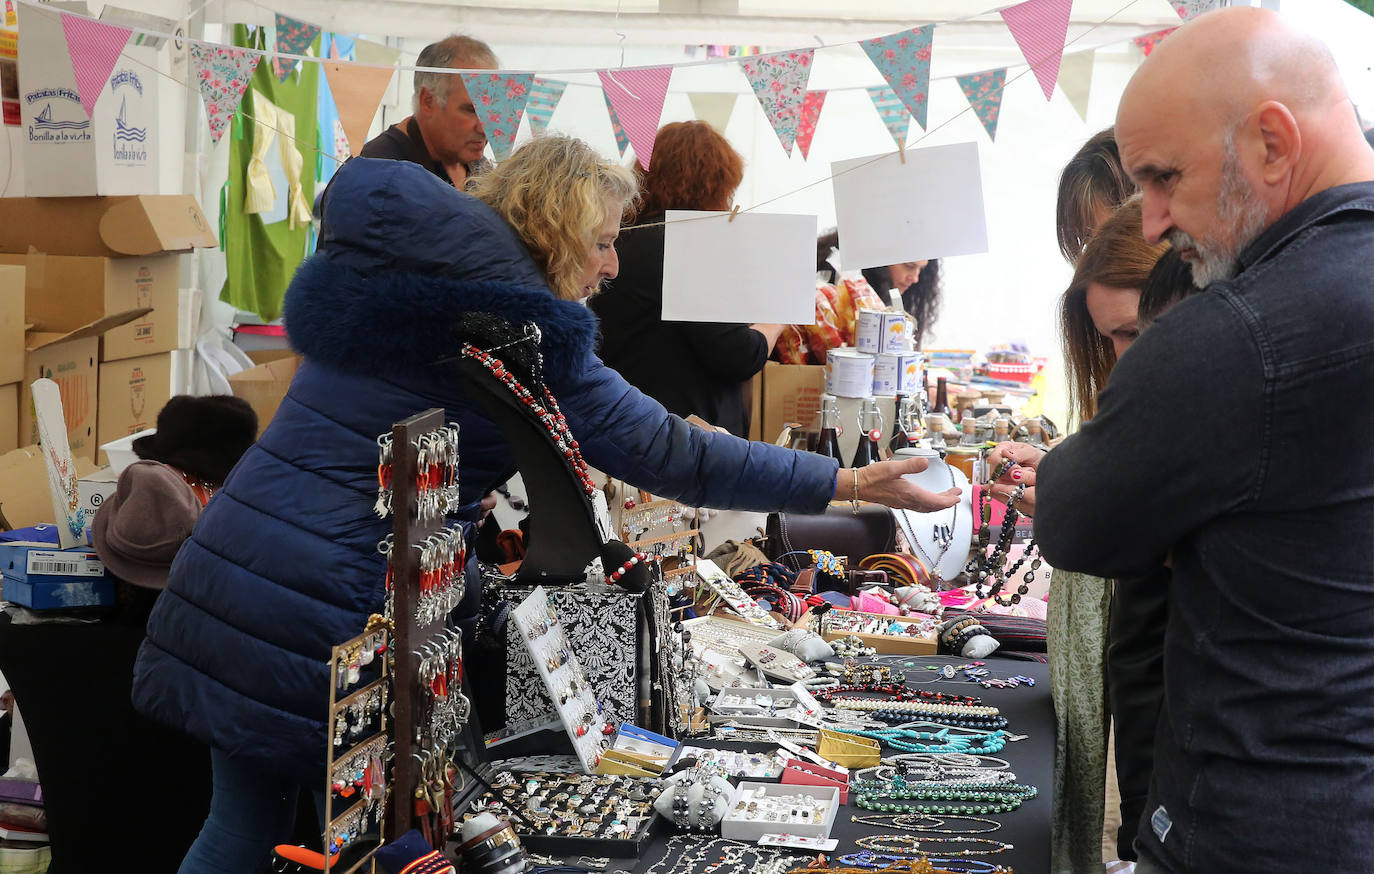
121 792
1029 711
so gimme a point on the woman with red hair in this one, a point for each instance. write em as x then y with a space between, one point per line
690 367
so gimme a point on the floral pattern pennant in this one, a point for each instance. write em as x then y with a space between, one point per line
293 38
779 82
1147 43
984 93
810 115
544 97
1190 9
892 111
500 100
223 74
904 60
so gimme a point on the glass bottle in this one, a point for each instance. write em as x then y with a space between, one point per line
828 444
1034 436
901 415
935 425
1001 431
871 432
970 428
942 399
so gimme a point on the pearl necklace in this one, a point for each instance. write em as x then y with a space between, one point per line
914 706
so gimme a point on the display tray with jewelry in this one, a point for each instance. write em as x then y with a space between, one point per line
915 634
758 809
564 814
737 764
564 679
723 589
767 704
777 665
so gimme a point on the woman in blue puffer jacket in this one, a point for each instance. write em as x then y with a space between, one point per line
284 561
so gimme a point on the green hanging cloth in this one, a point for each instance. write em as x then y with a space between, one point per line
261 258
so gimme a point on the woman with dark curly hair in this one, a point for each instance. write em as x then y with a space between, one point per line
916 283
690 367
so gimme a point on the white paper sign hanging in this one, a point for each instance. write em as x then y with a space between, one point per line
890 212
759 267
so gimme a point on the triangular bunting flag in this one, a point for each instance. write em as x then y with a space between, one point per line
1076 79
904 60
714 108
94 47
1190 9
779 82
368 52
622 142
293 38
358 90
223 74
810 114
892 111
1147 43
544 97
1039 27
984 93
637 95
500 99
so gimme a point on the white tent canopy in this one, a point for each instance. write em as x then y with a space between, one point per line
1009 293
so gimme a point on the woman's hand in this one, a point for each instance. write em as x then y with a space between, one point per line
1025 460
883 483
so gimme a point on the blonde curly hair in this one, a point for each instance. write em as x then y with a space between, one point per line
556 191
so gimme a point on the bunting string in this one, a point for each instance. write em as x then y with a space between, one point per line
313 148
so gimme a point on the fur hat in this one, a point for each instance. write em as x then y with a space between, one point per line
204 436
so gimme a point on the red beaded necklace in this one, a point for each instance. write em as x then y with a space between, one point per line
546 410
895 692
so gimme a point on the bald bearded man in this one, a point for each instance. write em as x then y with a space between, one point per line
1250 159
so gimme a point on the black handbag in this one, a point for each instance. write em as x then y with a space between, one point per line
839 530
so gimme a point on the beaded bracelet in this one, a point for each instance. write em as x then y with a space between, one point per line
615 575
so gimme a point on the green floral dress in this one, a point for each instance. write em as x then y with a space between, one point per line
1076 627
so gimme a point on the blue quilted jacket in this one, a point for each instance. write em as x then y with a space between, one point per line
284 564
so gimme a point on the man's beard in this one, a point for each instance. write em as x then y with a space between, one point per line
1237 209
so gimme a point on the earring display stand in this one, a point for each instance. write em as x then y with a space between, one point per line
563 677
355 761
430 712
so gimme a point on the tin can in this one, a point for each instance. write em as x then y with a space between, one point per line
869 333
848 373
896 337
897 373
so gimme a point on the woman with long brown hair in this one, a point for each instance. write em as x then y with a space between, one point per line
1098 316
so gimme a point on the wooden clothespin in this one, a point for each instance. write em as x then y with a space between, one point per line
901 151
734 212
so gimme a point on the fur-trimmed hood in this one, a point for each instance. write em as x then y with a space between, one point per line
402 259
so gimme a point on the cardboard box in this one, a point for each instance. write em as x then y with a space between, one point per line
110 227
11 323
24 495
132 392
756 407
65 292
93 490
69 360
66 153
264 386
9 417
791 393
